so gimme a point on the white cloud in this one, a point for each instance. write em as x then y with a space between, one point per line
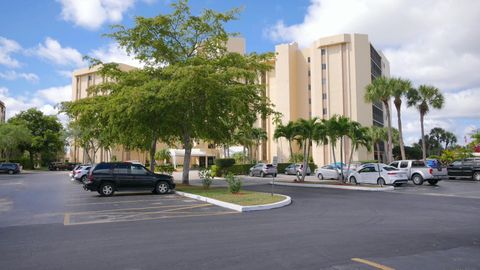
7 47
45 100
429 42
91 14
56 94
12 75
113 53
53 51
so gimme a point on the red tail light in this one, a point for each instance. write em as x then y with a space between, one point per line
90 177
430 171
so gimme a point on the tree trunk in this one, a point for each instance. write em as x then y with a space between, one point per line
398 105
424 156
389 133
352 148
334 157
342 141
305 159
291 149
30 154
153 149
187 145
378 153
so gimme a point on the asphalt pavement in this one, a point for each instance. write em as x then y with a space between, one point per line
47 222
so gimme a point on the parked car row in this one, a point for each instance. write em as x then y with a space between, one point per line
108 177
61 166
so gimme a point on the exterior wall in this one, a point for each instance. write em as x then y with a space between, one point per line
3 112
322 80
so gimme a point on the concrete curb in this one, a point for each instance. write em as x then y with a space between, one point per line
236 207
384 188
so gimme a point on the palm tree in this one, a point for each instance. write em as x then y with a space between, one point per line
400 89
332 133
163 155
450 139
377 135
343 127
359 136
286 132
258 135
306 132
381 90
423 98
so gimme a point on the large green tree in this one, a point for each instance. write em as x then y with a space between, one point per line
380 90
47 132
205 90
13 139
424 98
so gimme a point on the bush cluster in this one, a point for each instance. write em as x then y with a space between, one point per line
206 177
234 183
165 168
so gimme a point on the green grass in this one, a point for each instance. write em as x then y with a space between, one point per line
244 197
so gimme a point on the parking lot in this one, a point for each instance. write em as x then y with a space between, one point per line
48 222
60 200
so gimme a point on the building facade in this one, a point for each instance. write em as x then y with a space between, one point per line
202 153
3 112
325 79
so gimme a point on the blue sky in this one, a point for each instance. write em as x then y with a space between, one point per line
432 42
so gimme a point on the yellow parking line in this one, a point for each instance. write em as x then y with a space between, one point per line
372 264
66 219
152 218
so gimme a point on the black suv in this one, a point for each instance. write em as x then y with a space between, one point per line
106 178
469 167
9 168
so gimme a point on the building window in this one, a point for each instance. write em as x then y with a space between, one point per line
309 101
308 59
89 77
309 87
324 81
324 66
322 51
324 111
309 73
324 96
211 146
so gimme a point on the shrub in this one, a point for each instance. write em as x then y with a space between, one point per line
240 169
234 183
165 168
224 162
206 177
215 171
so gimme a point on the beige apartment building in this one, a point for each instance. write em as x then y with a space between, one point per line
3 112
202 153
324 79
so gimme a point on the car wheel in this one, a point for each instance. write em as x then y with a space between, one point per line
83 179
262 174
432 182
10 172
251 174
107 189
162 187
381 182
320 176
476 176
353 180
417 179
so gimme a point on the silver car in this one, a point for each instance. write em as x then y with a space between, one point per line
296 168
263 169
80 174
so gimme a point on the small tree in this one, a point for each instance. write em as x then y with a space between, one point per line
163 155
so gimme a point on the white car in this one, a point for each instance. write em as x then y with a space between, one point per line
80 174
378 173
327 172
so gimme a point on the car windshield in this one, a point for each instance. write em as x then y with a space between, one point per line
269 165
